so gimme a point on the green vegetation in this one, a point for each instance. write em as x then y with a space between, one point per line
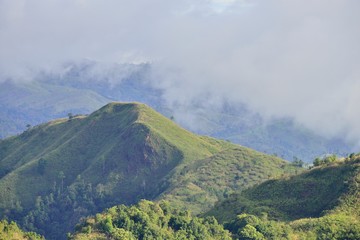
12 231
204 182
329 210
322 203
325 160
63 170
148 220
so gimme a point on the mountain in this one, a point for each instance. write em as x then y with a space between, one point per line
124 138
69 168
81 88
322 203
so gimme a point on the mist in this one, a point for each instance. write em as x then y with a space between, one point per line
281 58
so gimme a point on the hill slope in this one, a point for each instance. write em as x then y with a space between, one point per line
206 181
70 168
323 203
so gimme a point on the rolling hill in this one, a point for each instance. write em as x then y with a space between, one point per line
322 203
69 168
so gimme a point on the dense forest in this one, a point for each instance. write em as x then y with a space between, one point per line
149 220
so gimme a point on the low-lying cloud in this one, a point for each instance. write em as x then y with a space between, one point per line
282 58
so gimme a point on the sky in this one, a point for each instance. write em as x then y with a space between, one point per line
298 59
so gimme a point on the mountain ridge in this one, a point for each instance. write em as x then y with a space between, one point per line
51 96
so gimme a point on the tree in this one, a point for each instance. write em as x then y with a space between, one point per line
61 176
122 234
330 159
71 116
298 162
317 162
250 233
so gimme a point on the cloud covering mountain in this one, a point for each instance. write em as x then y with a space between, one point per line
281 58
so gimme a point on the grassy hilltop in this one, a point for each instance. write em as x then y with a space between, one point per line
116 141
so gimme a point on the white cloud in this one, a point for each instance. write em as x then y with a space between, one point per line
283 58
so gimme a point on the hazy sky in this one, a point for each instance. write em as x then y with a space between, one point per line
283 58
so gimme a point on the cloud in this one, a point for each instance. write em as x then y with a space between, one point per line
282 58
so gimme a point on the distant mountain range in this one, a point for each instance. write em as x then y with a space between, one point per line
83 88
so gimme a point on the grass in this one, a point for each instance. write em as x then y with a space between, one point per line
306 195
321 203
204 182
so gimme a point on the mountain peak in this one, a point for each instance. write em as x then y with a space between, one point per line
118 139
124 104
118 107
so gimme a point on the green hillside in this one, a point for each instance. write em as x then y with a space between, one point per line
204 182
69 168
322 203
12 231
115 141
